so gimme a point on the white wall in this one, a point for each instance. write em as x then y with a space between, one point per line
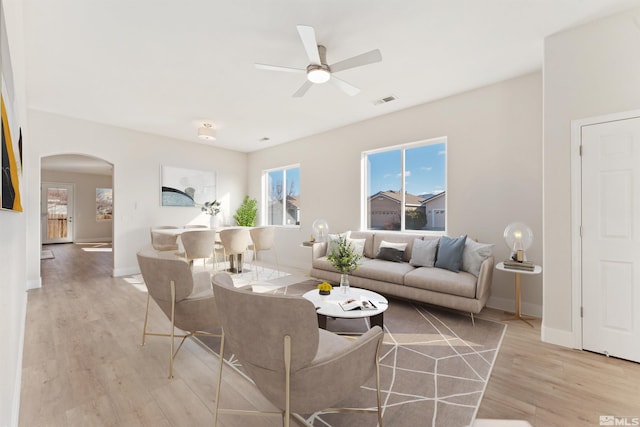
494 171
137 158
13 247
589 71
86 227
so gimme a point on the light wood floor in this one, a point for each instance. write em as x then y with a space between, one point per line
83 364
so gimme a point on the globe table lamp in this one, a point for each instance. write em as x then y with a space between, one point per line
518 237
320 229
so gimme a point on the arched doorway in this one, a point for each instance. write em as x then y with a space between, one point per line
76 203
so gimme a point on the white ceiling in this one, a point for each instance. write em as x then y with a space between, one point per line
163 67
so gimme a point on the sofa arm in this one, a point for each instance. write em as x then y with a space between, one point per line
484 279
318 250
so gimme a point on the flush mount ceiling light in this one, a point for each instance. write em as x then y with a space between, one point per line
207 132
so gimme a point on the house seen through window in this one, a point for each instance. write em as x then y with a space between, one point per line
282 195
406 187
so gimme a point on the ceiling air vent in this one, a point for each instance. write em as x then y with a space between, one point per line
385 100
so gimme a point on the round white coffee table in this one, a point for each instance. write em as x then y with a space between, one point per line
328 305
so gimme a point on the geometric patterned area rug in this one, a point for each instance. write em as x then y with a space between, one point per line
434 365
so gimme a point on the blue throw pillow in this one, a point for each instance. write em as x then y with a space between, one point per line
450 253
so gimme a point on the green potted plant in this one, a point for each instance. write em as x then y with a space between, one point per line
344 258
245 216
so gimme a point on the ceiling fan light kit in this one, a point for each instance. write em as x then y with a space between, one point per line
318 74
318 71
207 132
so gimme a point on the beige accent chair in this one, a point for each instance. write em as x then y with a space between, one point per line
297 366
199 244
164 241
264 239
185 298
235 242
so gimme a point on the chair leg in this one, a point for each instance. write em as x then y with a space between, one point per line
287 390
275 256
473 321
146 316
173 327
221 362
378 384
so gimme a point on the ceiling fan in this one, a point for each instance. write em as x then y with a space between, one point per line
318 71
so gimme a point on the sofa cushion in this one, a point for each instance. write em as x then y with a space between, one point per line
424 252
383 271
443 281
450 253
474 255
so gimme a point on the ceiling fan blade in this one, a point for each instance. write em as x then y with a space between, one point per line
344 86
279 68
357 61
303 89
308 36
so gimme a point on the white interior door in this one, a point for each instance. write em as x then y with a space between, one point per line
610 238
57 212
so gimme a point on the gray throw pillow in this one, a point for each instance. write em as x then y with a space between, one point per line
390 254
423 253
474 255
450 253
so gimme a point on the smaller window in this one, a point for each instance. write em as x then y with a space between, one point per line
104 204
281 201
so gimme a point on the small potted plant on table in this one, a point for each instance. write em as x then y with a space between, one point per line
344 258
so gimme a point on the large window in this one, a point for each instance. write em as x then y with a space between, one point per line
282 195
406 187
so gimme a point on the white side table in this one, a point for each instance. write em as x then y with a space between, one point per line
518 314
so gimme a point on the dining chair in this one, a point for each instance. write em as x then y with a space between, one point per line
298 367
186 299
263 239
199 244
164 241
235 242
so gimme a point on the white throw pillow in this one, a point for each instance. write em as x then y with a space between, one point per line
332 240
423 253
358 245
474 255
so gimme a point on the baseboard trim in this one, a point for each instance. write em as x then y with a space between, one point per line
508 304
94 240
34 284
559 337
119 272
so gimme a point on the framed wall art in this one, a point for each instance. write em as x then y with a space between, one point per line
187 187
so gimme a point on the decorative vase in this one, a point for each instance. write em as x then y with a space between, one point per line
214 221
344 283
324 292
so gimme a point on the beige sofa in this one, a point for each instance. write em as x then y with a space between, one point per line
461 291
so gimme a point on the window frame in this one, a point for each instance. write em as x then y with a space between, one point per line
364 181
266 192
